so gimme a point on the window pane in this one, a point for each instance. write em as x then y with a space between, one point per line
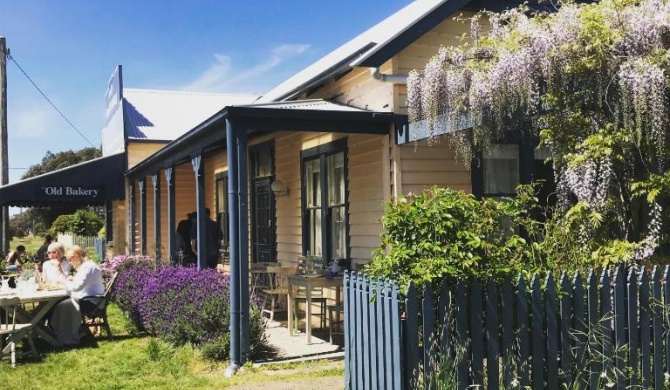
222 207
315 246
313 178
338 228
501 169
335 165
263 164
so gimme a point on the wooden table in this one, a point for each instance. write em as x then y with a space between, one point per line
47 300
309 283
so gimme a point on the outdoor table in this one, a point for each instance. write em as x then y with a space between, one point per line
309 283
47 300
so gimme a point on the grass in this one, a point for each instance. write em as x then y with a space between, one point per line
32 244
138 361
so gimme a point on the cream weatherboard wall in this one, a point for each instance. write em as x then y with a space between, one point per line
366 191
415 167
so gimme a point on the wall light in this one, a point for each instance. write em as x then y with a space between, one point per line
279 188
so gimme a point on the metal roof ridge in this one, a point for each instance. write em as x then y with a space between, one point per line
177 92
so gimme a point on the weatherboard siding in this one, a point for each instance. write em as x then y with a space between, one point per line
359 89
139 151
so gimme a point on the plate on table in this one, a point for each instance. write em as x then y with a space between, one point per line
312 275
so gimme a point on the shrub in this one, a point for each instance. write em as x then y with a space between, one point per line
134 272
446 233
185 305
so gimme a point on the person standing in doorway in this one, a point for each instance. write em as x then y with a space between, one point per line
184 239
213 235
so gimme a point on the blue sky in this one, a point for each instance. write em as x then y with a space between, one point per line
70 48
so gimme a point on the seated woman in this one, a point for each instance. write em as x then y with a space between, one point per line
66 318
57 268
14 260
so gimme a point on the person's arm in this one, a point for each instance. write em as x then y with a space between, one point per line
79 280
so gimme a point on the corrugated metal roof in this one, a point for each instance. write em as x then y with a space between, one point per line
165 115
360 47
309 104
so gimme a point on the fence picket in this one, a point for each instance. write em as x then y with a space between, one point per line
493 349
428 335
444 305
360 355
565 337
396 338
462 335
633 330
657 329
522 332
381 353
507 331
476 333
593 343
388 348
552 332
373 329
367 350
536 330
605 322
645 323
411 338
580 333
348 345
619 327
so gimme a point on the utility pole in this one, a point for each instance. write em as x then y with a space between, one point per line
4 168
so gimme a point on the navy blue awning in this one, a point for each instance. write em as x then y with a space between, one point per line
93 182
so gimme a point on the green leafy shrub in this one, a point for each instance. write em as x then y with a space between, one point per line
442 233
82 222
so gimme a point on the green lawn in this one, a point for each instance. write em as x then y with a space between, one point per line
32 244
138 361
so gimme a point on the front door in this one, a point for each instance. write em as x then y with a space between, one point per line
263 224
263 232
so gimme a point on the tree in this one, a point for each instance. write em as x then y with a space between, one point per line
82 222
590 81
53 161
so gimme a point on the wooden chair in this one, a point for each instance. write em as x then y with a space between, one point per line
10 330
94 308
332 309
277 290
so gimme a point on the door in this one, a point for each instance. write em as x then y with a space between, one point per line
263 229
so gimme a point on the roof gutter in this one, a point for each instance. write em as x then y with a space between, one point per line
387 78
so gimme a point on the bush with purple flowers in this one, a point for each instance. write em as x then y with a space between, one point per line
133 271
182 305
185 305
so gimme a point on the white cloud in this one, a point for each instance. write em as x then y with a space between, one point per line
222 76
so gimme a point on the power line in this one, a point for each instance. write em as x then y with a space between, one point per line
49 100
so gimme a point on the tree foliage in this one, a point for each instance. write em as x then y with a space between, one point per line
82 222
591 82
54 161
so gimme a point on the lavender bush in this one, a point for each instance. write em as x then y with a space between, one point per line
133 274
185 305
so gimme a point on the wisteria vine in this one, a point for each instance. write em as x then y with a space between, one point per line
591 81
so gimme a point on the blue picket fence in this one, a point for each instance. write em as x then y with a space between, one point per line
604 330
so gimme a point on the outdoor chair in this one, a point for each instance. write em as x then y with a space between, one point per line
94 308
332 309
317 299
10 328
277 289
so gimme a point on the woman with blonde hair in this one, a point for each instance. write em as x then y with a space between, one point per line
66 319
57 268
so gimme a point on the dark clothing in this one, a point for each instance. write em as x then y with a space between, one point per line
213 237
184 237
41 253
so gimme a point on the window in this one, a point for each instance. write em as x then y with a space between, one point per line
325 225
500 165
222 206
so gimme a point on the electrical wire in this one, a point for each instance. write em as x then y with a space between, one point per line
49 100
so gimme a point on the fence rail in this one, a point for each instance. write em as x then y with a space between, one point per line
609 329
